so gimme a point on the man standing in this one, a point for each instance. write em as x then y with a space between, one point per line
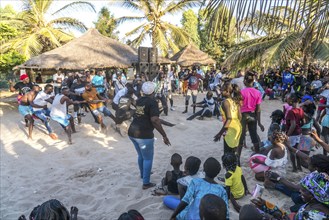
58 79
192 88
40 109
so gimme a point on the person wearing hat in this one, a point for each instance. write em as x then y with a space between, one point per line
314 189
23 87
192 88
140 132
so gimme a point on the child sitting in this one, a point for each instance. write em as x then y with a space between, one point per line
191 168
236 186
276 158
306 142
169 182
189 206
277 116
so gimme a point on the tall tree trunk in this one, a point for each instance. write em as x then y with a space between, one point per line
306 45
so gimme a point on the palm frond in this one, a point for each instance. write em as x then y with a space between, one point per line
174 6
129 18
284 50
68 22
250 52
321 51
138 29
77 5
130 4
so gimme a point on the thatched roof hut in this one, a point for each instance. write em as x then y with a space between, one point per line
91 50
164 60
191 55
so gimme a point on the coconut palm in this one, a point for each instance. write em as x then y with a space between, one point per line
292 29
164 35
106 24
37 34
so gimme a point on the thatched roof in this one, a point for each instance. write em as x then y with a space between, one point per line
191 55
91 50
164 60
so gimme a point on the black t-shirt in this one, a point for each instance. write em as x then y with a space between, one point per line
23 88
142 127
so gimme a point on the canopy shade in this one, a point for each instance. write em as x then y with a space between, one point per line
91 50
190 55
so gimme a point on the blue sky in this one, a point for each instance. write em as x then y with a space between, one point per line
88 17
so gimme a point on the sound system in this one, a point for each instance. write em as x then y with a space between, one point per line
153 55
143 54
147 62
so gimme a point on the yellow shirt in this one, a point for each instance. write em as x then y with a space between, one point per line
235 183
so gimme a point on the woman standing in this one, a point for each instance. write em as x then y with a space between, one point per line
230 110
250 110
140 132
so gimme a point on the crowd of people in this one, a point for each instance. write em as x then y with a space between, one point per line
295 130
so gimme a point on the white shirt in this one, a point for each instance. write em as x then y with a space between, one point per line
119 94
239 82
58 76
40 99
58 109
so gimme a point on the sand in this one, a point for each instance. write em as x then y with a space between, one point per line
99 172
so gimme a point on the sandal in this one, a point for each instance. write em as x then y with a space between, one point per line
159 192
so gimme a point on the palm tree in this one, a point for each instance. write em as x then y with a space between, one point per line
37 34
276 47
106 24
292 27
164 35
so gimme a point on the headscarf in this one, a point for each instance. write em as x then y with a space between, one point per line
317 184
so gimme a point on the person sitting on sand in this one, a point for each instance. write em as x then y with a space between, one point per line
54 210
249 211
40 109
212 208
277 117
169 182
191 171
188 208
208 106
131 215
235 183
59 112
315 193
277 157
96 104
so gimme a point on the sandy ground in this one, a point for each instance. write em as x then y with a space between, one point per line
99 172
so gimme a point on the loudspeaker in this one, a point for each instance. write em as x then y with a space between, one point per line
143 55
143 67
154 70
153 55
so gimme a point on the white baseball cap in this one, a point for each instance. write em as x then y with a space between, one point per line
148 88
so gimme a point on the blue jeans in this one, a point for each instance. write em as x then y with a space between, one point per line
145 151
42 114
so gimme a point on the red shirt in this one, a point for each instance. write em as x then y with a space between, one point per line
295 114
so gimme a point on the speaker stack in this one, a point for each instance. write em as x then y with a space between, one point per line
147 62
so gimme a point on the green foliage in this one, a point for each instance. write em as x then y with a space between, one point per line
190 26
106 24
165 36
9 60
214 42
37 34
